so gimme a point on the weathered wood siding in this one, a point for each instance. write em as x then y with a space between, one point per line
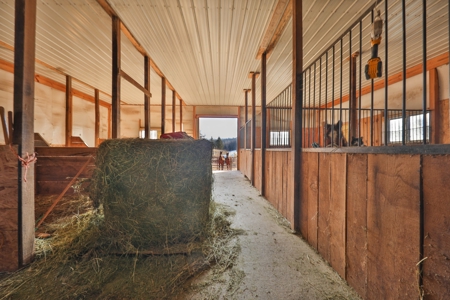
9 223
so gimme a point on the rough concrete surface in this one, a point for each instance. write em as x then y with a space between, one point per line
271 262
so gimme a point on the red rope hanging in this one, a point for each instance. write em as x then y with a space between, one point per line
26 162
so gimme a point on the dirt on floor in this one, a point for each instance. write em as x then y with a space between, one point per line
272 262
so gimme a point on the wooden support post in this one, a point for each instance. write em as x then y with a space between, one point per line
194 123
263 121
434 106
181 115
297 106
69 111
253 74
6 134
147 97
97 117
116 66
173 110
163 105
246 117
23 136
110 122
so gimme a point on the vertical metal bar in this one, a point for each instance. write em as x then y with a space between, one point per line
404 73
163 105
351 89
312 110
181 115
424 71
332 94
386 77
320 100
303 112
340 93
326 98
371 99
360 81
116 66
309 110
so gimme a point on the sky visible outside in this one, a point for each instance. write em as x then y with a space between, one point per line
218 127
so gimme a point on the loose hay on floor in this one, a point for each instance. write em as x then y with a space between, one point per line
75 263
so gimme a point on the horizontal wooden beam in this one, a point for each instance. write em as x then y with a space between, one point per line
9 67
110 11
135 83
277 24
413 71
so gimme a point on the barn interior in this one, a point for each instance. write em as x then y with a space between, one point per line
355 160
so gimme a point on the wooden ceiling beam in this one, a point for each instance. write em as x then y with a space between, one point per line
277 25
110 11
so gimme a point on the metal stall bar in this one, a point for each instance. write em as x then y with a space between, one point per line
360 83
312 109
424 71
332 93
350 102
386 77
326 96
371 98
404 73
320 101
340 94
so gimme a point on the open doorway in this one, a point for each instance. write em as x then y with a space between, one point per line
222 132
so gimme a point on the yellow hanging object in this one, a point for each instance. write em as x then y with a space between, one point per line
373 68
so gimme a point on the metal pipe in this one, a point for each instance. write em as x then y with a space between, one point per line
404 73
371 102
424 71
386 79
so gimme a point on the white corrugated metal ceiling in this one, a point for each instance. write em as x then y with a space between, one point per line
205 48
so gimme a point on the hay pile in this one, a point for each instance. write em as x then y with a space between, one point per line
155 193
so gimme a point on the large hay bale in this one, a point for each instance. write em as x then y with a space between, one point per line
156 192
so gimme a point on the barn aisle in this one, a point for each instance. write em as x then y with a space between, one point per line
271 262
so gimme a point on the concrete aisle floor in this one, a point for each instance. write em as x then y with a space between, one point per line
273 263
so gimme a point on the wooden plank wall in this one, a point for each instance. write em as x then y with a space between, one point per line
257 181
9 231
436 191
368 212
56 166
279 189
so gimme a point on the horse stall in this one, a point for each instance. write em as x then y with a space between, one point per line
374 160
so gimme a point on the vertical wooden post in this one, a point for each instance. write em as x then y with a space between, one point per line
110 122
97 117
174 106
253 145
23 135
194 123
181 115
246 117
69 112
433 84
146 97
116 66
297 106
263 122
163 105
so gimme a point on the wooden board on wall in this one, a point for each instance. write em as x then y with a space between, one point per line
436 191
444 132
9 235
393 218
356 274
309 197
338 212
257 180
324 233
